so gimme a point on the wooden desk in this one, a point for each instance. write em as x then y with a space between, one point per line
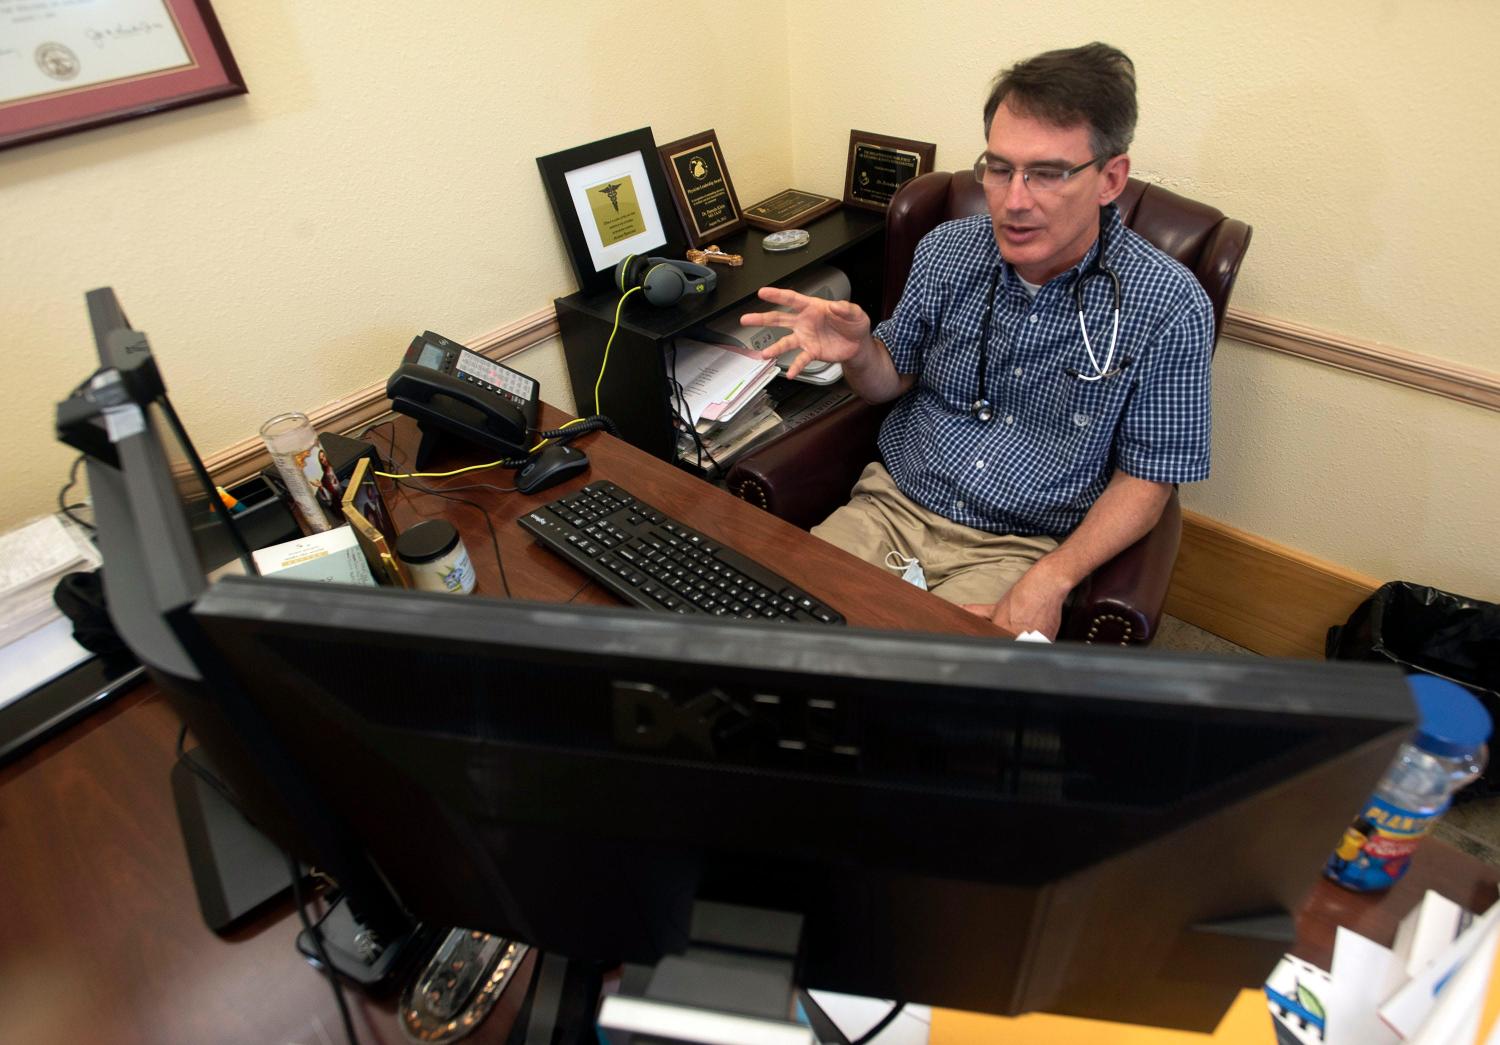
102 940
866 595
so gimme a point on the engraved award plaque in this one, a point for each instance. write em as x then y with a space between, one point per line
879 165
700 187
788 209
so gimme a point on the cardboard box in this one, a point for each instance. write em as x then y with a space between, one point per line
333 556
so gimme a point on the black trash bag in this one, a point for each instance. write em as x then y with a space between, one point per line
1435 632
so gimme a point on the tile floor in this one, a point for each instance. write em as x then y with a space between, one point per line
1472 825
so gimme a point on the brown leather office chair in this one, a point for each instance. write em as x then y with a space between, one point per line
806 474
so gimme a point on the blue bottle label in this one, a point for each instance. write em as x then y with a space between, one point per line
1377 847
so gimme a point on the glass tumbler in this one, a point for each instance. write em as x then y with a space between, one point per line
303 466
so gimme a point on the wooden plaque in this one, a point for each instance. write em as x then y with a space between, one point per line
701 189
788 209
879 165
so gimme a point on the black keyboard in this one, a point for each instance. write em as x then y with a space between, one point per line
653 561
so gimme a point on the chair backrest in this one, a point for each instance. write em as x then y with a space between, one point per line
1201 237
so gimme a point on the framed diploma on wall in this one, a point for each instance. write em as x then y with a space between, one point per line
68 65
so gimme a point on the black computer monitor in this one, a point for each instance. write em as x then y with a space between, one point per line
977 824
984 825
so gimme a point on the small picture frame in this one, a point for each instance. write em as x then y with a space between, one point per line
788 209
373 527
879 165
701 188
610 200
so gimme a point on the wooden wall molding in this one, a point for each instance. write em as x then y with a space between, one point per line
359 408
1258 594
1455 381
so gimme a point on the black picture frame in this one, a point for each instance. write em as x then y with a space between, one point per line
619 162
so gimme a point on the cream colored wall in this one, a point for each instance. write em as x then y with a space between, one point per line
1355 137
380 178
282 248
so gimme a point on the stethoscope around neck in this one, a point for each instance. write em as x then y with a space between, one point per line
982 408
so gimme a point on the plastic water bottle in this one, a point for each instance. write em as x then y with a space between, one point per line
1447 752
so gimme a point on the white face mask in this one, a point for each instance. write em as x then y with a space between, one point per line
911 569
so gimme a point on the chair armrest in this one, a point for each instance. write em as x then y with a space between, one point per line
1121 602
807 473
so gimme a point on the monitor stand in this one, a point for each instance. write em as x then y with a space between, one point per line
236 870
732 983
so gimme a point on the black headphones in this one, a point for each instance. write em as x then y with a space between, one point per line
664 280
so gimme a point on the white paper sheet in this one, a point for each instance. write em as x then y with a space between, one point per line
37 659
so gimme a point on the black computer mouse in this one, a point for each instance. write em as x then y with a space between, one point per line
555 463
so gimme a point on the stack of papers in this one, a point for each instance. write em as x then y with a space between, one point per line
717 381
749 427
1437 984
32 560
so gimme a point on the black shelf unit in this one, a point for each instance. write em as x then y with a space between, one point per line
635 392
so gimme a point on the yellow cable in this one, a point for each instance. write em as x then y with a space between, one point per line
437 475
605 362
472 467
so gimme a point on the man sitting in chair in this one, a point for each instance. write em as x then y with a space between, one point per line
1052 365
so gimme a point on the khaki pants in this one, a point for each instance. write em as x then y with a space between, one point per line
962 565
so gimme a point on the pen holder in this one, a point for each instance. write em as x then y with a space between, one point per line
265 519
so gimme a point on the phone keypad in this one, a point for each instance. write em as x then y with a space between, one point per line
492 377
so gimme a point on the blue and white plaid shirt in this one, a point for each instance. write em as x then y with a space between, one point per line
1055 440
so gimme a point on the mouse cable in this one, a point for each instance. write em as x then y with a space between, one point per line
315 934
605 361
484 514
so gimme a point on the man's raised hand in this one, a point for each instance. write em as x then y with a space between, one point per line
831 331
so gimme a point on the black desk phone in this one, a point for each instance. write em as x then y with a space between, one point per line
448 388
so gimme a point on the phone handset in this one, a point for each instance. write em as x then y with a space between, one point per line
450 389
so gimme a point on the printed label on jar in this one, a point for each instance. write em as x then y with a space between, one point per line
1377 847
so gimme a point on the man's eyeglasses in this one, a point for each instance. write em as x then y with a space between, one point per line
993 174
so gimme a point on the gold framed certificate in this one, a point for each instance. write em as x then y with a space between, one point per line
373 527
70 66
